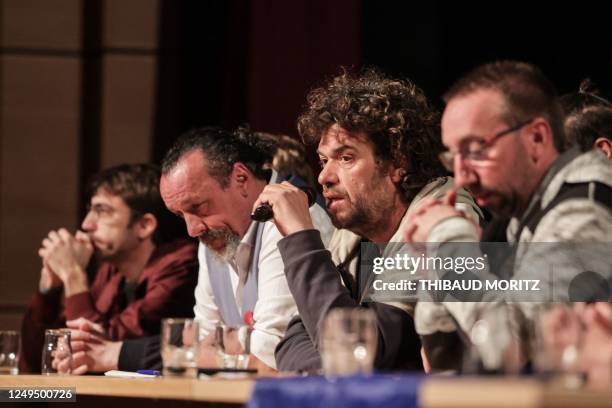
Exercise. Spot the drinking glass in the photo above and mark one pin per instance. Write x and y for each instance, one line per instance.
(348, 341)
(495, 339)
(180, 341)
(557, 346)
(9, 352)
(236, 355)
(57, 352)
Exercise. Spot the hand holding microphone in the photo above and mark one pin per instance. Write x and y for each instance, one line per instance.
(265, 213)
(287, 205)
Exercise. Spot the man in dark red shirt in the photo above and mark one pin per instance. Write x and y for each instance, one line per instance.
(146, 269)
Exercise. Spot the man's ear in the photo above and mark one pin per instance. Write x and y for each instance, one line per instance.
(605, 145)
(145, 226)
(540, 141)
(240, 174)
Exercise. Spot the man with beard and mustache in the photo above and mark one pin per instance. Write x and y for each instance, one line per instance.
(378, 142)
(145, 266)
(504, 131)
(211, 179)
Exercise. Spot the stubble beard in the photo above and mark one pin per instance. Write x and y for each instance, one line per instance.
(367, 216)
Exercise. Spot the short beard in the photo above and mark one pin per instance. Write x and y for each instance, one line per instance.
(368, 217)
(509, 204)
(231, 239)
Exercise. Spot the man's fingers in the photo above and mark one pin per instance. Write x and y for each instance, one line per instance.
(272, 192)
(85, 325)
(288, 186)
(261, 199)
(409, 231)
(64, 235)
(92, 327)
(83, 238)
(467, 216)
(79, 358)
(54, 237)
(427, 202)
(78, 345)
(64, 366)
(80, 335)
(604, 309)
(80, 370)
(450, 198)
(603, 314)
(75, 323)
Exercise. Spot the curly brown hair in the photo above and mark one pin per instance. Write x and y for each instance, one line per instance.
(395, 116)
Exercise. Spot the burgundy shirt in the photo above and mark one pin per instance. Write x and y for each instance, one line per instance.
(165, 288)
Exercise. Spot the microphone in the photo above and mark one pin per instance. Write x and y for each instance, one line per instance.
(264, 212)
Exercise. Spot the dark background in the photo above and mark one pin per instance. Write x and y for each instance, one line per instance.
(236, 62)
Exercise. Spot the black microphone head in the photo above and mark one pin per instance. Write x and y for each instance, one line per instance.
(265, 213)
(262, 213)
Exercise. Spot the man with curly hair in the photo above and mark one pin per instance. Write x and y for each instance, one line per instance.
(378, 140)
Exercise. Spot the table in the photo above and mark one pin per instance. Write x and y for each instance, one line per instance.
(506, 393)
(434, 392)
(427, 392)
(115, 392)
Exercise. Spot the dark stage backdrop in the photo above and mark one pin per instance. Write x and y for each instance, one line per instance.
(235, 62)
(238, 62)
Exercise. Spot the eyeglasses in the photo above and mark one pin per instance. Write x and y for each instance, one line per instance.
(100, 211)
(475, 148)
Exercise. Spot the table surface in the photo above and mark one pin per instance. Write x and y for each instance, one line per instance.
(508, 392)
(213, 390)
(435, 392)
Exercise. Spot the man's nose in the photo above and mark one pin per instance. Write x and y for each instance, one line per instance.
(89, 222)
(328, 175)
(195, 225)
(464, 174)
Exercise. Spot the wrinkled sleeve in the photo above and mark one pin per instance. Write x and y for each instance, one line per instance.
(43, 312)
(317, 289)
(168, 292)
(140, 354)
(296, 351)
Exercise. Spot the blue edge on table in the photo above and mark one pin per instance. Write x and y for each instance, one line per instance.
(379, 390)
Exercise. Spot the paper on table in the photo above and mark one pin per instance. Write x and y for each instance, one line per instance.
(127, 374)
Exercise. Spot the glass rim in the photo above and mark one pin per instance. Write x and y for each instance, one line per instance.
(172, 320)
(231, 326)
(10, 332)
(57, 331)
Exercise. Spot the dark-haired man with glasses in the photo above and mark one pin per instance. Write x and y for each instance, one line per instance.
(144, 268)
(503, 128)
